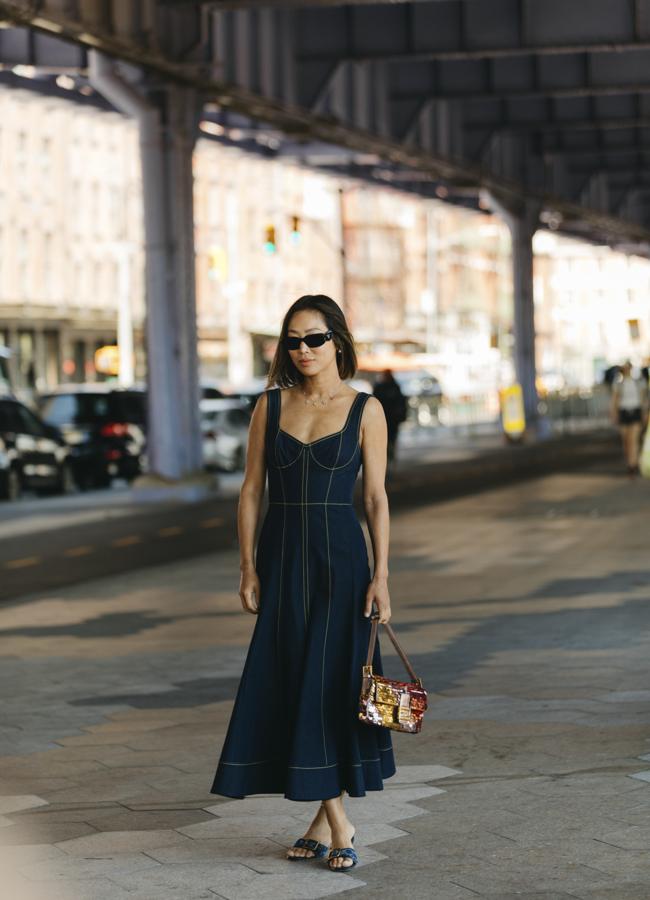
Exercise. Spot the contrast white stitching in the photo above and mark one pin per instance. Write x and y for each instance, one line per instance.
(329, 601)
(302, 534)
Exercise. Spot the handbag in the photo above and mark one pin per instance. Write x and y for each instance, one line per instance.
(399, 705)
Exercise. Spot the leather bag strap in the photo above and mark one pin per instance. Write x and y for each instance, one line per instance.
(395, 642)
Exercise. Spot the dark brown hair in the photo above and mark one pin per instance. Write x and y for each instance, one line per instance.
(283, 373)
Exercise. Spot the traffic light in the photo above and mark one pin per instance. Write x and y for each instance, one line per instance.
(270, 244)
(217, 263)
(295, 229)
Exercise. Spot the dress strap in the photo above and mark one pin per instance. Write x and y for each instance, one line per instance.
(272, 413)
(354, 422)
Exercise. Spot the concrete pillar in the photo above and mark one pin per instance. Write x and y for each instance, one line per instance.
(522, 219)
(167, 117)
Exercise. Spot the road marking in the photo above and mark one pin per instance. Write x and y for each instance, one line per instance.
(212, 523)
(127, 541)
(23, 563)
(171, 531)
(78, 551)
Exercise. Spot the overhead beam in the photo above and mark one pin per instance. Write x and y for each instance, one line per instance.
(639, 168)
(523, 92)
(459, 30)
(274, 4)
(563, 125)
(580, 152)
(475, 54)
(299, 122)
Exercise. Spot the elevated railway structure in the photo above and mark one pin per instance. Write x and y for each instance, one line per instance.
(537, 109)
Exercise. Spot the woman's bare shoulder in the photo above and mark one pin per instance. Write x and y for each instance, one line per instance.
(373, 411)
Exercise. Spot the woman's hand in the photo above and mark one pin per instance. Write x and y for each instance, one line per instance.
(249, 590)
(377, 593)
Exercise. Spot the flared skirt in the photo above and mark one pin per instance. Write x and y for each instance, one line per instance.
(294, 728)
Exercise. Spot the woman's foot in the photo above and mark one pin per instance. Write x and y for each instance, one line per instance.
(342, 837)
(318, 831)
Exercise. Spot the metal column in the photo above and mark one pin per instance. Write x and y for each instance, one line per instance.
(167, 118)
(522, 220)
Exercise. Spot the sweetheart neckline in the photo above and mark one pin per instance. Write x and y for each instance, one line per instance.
(309, 443)
(325, 436)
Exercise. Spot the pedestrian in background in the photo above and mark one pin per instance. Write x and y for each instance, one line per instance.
(389, 394)
(629, 410)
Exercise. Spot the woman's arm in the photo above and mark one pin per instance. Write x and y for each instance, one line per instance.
(250, 502)
(374, 437)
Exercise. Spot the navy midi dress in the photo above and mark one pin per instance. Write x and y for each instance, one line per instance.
(294, 728)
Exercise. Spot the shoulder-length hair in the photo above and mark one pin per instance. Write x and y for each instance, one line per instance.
(283, 373)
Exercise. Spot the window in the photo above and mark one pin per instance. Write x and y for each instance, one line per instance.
(29, 424)
(8, 418)
(59, 410)
(48, 271)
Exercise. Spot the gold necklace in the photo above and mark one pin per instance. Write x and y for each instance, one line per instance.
(319, 402)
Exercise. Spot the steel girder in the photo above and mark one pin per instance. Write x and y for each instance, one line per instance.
(521, 97)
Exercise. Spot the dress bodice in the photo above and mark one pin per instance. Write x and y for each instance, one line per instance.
(295, 727)
(317, 472)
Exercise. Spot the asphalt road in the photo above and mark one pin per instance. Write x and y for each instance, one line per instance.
(47, 543)
(36, 560)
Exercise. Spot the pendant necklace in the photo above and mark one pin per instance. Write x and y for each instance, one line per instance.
(320, 401)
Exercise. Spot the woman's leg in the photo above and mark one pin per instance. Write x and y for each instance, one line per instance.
(625, 439)
(341, 828)
(633, 446)
(319, 830)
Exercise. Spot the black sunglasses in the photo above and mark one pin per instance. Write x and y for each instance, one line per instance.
(312, 340)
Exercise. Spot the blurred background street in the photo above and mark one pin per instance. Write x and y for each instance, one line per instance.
(469, 182)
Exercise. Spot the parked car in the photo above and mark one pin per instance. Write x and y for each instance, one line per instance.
(248, 393)
(224, 425)
(105, 427)
(5, 374)
(211, 389)
(33, 454)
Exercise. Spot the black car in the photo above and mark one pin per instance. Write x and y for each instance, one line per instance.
(33, 454)
(105, 427)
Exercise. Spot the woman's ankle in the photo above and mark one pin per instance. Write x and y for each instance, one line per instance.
(340, 824)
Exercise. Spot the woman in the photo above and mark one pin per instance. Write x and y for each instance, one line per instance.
(294, 727)
(629, 412)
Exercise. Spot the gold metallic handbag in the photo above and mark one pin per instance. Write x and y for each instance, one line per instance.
(399, 705)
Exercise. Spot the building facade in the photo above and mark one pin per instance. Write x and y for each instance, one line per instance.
(411, 274)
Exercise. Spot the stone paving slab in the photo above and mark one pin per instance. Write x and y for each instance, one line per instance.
(526, 614)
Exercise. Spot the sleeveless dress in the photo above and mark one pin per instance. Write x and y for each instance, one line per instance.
(294, 728)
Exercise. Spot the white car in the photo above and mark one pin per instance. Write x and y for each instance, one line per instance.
(224, 425)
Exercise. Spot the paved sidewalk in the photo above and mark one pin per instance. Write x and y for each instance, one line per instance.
(526, 611)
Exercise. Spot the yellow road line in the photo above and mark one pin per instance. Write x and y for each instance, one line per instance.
(127, 541)
(78, 551)
(212, 523)
(171, 531)
(23, 563)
